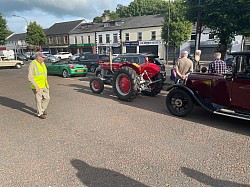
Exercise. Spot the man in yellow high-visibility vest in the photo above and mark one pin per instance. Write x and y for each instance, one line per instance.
(37, 77)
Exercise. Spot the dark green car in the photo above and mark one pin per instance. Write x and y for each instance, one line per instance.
(66, 69)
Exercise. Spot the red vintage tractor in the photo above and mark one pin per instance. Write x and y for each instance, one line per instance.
(129, 74)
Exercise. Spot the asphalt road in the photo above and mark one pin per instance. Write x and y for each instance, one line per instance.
(98, 141)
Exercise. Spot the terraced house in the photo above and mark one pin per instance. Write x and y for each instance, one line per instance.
(58, 36)
(128, 35)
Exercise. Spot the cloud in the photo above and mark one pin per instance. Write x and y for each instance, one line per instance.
(48, 12)
(79, 8)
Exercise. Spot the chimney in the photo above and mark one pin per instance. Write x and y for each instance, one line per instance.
(105, 18)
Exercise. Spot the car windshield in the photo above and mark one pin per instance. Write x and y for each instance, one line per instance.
(104, 58)
(124, 59)
(156, 61)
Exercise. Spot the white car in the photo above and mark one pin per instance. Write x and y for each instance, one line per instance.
(63, 55)
(11, 63)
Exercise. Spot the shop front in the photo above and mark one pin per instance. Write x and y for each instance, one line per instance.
(82, 48)
(105, 48)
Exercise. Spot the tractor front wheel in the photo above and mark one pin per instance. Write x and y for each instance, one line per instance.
(96, 85)
(125, 84)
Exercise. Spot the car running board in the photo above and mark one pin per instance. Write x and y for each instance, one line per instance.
(231, 113)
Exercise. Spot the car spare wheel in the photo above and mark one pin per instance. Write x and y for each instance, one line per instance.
(179, 103)
(155, 88)
(125, 84)
(96, 85)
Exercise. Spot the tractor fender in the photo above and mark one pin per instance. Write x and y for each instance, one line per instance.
(134, 66)
(197, 100)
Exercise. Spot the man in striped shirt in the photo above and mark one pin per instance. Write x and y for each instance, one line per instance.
(218, 66)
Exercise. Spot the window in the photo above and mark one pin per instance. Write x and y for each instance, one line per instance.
(58, 39)
(100, 38)
(153, 35)
(65, 39)
(211, 36)
(50, 40)
(89, 39)
(106, 24)
(127, 36)
(193, 36)
(139, 36)
(82, 40)
(75, 39)
(107, 38)
(115, 38)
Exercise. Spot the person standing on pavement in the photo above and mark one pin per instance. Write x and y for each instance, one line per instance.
(183, 66)
(218, 66)
(37, 77)
(197, 57)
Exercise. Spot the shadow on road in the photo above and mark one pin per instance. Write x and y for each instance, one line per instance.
(99, 177)
(157, 104)
(207, 180)
(14, 104)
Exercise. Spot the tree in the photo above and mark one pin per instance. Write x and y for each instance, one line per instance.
(4, 32)
(142, 7)
(97, 19)
(35, 35)
(226, 19)
(136, 8)
(179, 27)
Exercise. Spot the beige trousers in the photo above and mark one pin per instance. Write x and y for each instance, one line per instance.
(42, 100)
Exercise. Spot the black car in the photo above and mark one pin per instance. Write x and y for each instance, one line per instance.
(90, 60)
(229, 63)
(21, 57)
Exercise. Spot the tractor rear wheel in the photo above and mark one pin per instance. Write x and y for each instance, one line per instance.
(155, 88)
(125, 84)
(96, 85)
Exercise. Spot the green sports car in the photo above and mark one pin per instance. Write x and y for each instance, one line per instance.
(66, 69)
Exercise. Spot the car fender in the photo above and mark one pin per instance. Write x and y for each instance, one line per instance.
(198, 100)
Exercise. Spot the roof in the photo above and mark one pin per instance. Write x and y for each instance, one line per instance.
(143, 21)
(16, 37)
(125, 23)
(63, 27)
(20, 36)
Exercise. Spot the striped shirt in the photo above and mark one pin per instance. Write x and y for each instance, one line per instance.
(218, 67)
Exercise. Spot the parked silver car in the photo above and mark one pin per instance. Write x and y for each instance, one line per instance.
(51, 58)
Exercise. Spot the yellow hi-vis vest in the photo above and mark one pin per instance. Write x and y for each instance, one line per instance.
(40, 75)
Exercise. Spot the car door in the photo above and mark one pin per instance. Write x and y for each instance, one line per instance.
(240, 95)
(48, 65)
(56, 67)
(82, 60)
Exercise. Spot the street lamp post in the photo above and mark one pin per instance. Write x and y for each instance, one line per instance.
(168, 30)
(198, 28)
(14, 15)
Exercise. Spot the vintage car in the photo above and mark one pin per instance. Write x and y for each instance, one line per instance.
(227, 94)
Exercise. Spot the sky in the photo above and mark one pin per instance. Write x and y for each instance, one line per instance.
(47, 12)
